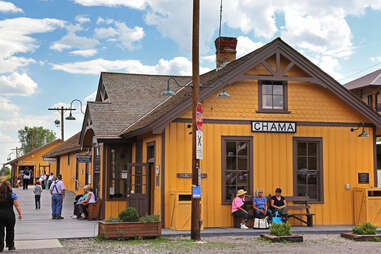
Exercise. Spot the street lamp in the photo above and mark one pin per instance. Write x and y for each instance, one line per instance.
(71, 117)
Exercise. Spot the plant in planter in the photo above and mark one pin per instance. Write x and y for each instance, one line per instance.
(365, 232)
(130, 225)
(282, 232)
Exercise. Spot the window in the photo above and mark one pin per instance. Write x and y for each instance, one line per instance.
(119, 158)
(68, 159)
(370, 100)
(308, 168)
(272, 97)
(237, 166)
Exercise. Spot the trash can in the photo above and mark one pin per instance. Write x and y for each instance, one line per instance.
(181, 210)
(367, 206)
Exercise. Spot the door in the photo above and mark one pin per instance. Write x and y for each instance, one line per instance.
(138, 190)
(151, 171)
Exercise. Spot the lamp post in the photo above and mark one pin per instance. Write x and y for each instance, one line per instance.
(71, 117)
(62, 110)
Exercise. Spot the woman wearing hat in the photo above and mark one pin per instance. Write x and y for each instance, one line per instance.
(239, 209)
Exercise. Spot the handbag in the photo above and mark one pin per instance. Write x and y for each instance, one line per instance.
(261, 223)
(277, 219)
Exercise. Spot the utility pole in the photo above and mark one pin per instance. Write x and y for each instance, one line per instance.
(196, 202)
(62, 111)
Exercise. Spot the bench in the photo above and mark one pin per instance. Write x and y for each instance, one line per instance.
(94, 210)
(300, 203)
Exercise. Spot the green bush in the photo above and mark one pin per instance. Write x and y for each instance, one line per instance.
(283, 229)
(150, 218)
(365, 229)
(129, 215)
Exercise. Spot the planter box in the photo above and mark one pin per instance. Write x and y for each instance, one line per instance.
(289, 238)
(120, 230)
(355, 237)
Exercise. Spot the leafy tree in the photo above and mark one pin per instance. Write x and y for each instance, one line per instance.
(5, 170)
(38, 135)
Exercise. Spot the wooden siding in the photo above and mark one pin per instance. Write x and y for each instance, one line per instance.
(344, 155)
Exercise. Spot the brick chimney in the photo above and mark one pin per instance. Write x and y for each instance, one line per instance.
(225, 50)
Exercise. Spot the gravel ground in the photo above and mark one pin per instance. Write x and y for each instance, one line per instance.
(227, 244)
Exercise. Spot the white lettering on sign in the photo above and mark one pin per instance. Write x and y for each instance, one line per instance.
(199, 145)
(278, 127)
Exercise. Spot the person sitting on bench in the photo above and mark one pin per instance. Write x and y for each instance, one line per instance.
(279, 203)
(239, 208)
(84, 204)
(260, 206)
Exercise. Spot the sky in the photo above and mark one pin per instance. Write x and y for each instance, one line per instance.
(52, 51)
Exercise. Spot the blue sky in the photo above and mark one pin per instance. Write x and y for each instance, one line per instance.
(52, 51)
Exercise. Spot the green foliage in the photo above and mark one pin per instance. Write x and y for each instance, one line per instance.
(129, 215)
(366, 228)
(283, 229)
(36, 135)
(150, 218)
(5, 171)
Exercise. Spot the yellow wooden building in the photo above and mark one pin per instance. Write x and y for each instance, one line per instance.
(73, 164)
(34, 161)
(286, 124)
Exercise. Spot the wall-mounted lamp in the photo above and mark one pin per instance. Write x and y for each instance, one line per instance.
(363, 134)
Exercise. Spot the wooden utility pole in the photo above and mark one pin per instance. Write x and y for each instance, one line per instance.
(62, 111)
(196, 202)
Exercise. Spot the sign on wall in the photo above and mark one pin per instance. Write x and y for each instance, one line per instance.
(83, 158)
(274, 127)
(199, 145)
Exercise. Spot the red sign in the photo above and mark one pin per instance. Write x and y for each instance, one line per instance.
(199, 117)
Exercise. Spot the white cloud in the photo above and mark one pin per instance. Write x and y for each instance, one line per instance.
(84, 52)
(376, 59)
(121, 33)
(90, 97)
(82, 19)
(17, 84)
(245, 45)
(7, 106)
(136, 4)
(101, 20)
(72, 41)
(177, 65)
(9, 7)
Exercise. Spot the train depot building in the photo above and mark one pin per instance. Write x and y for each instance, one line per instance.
(271, 119)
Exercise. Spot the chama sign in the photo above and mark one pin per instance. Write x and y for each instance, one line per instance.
(277, 127)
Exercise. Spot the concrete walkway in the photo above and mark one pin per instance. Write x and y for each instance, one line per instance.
(38, 224)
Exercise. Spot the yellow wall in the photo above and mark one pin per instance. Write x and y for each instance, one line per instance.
(68, 172)
(35, 159)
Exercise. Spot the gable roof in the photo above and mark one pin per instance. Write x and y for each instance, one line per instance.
(130, 96)
(70, 145)
(178, 104)
(34, 151)
(371, 79)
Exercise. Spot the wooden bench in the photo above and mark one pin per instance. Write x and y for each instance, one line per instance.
(94, 210)
(300, 203)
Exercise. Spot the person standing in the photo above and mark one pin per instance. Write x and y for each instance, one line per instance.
(50, 179)
(26, 178)
(57, 189)
(8, 199)
(37, 195)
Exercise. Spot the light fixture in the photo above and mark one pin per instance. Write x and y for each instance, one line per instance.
(70, 117)
(168, 92)
(223, 94)
(363, 134)
(57, 122)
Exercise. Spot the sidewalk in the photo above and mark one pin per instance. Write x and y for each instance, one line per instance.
(38, 224)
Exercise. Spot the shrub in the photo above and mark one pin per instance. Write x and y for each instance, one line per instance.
(129, 215)
(150, 218)
(283, 229)
(365, 229)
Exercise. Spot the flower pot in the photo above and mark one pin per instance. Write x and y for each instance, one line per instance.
(124, 230)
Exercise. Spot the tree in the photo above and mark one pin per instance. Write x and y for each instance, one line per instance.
(36, 135)
(5, 171)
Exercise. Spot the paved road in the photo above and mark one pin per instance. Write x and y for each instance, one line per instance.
(38, 225)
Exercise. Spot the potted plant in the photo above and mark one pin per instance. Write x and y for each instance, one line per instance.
(365, 232)
(130, 225)
(282, 232)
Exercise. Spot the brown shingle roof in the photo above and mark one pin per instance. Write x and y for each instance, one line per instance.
(371, 79)
(70, 145)
(130, 97)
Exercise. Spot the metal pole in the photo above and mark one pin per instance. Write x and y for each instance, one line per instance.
(62, 123)
(196, 204)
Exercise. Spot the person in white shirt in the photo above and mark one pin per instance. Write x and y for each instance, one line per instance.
(84, 205)
(57, 189)
(50, 180)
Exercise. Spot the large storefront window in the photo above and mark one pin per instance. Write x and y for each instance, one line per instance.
(308, 168)
(119, 159)
(272, 96)
(236, 166)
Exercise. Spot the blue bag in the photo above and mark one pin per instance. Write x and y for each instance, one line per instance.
(277, 219)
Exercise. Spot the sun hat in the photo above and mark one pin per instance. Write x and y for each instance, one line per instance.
(241, 192)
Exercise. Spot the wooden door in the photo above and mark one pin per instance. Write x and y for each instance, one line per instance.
(138, 190)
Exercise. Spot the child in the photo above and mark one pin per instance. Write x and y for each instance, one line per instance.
(37, 195)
